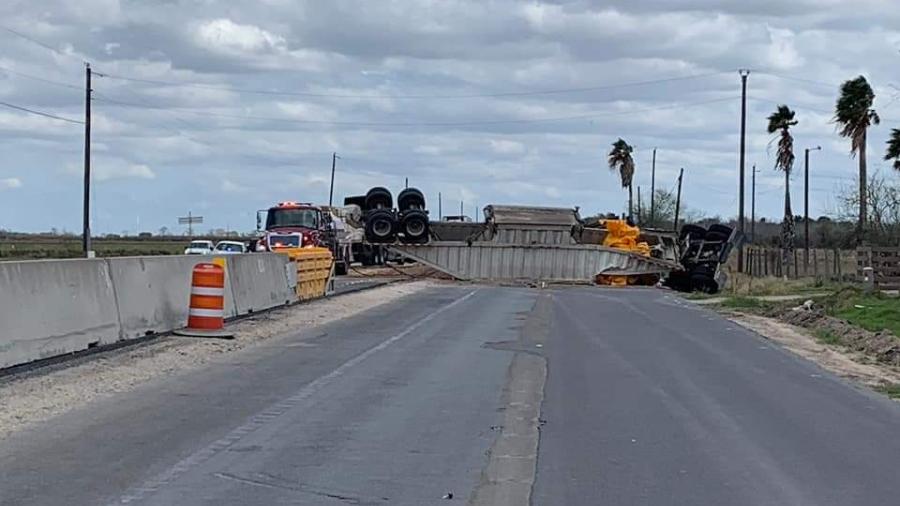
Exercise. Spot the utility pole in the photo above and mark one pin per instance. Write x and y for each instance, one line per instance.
(406, 183)
(744, 73)
(678, 198)
(440, 211)
(461, 211)
(753, 207)
(86, 230)
(334, 158)
(806, 204)
(653, 190)
(639, 220)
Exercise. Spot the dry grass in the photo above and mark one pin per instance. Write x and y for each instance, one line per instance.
(742, 284)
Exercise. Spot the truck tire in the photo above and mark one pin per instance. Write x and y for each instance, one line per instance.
(414, 227)
(696, 232)
(381, 227)
(410, 198)
(703, 283)
(718, 233)
(341, 268)
(379, 198)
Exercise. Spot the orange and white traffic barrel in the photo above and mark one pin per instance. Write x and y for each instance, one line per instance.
(206, 313)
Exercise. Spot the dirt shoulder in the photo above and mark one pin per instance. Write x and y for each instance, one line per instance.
(854, 365)
(32, 397)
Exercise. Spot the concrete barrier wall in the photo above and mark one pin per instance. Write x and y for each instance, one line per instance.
(154, 292)
(259, 281)
(55, 307)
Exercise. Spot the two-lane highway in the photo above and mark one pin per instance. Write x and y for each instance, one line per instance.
(571, 396)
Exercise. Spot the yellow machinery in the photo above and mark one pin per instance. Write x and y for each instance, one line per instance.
(621, 235)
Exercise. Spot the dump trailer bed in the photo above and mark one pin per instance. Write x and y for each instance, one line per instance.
(487, 261)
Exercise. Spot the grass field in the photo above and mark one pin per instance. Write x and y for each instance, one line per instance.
(34, 248)
(870, 311)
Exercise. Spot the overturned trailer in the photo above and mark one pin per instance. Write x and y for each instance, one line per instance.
(529, 244)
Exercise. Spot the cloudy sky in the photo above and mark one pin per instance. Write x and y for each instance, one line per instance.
(225, 107)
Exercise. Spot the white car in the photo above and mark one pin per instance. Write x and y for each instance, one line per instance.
(199, 248)
(230, 248)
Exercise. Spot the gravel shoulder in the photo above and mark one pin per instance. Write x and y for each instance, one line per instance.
(32, 397)
(852, 365)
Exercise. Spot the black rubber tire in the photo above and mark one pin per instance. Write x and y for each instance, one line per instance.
(410, 198)
(696, 231)
(721, 230)
(341, 268)
(704, 284)
(414, 227)
(379, 198)
(381, 226)
(715, 235)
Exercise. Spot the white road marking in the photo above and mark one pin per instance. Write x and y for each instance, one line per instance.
(262, 418)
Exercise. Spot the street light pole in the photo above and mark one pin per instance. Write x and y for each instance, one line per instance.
(806, 203)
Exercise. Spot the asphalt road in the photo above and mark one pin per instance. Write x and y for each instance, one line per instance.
(348, 284)
(579, 396)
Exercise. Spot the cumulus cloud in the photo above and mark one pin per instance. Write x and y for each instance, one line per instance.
(10, 183)
(226, 35)
(105, 172)
(503, 101)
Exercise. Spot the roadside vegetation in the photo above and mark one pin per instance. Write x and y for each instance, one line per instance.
(873, 312)
(891, 390)
(38, 247)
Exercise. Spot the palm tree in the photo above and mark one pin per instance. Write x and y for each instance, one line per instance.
(620, 160)
(854, 113)
(893, 150)
(780, 122)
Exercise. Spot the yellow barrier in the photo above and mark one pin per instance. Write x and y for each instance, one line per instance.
(314, 270)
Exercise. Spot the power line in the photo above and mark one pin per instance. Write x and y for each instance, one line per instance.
(426, 124)
(37, 42)
(807, 108)
(40, 113)
(40, 79)
(422, 96)
(800, 79)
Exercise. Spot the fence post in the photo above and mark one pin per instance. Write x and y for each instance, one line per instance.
(837, 262)
(815, 265)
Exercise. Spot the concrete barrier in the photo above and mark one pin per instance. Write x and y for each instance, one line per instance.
(260, 281)
(154, 292)
(54, 307)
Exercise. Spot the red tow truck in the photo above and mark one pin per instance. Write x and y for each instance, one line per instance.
(297, 225)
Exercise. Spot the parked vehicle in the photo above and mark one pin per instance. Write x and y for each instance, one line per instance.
(199, 247)
(230, 248)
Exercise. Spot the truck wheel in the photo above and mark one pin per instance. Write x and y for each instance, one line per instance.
(414, 227)
(379, 198)
(410, 198)
(341, 268)
(697, 232)
(381, 226)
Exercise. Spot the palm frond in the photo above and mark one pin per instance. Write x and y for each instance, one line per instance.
(781, 121)
(853, 111)
(620, 159)
(893, 149)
